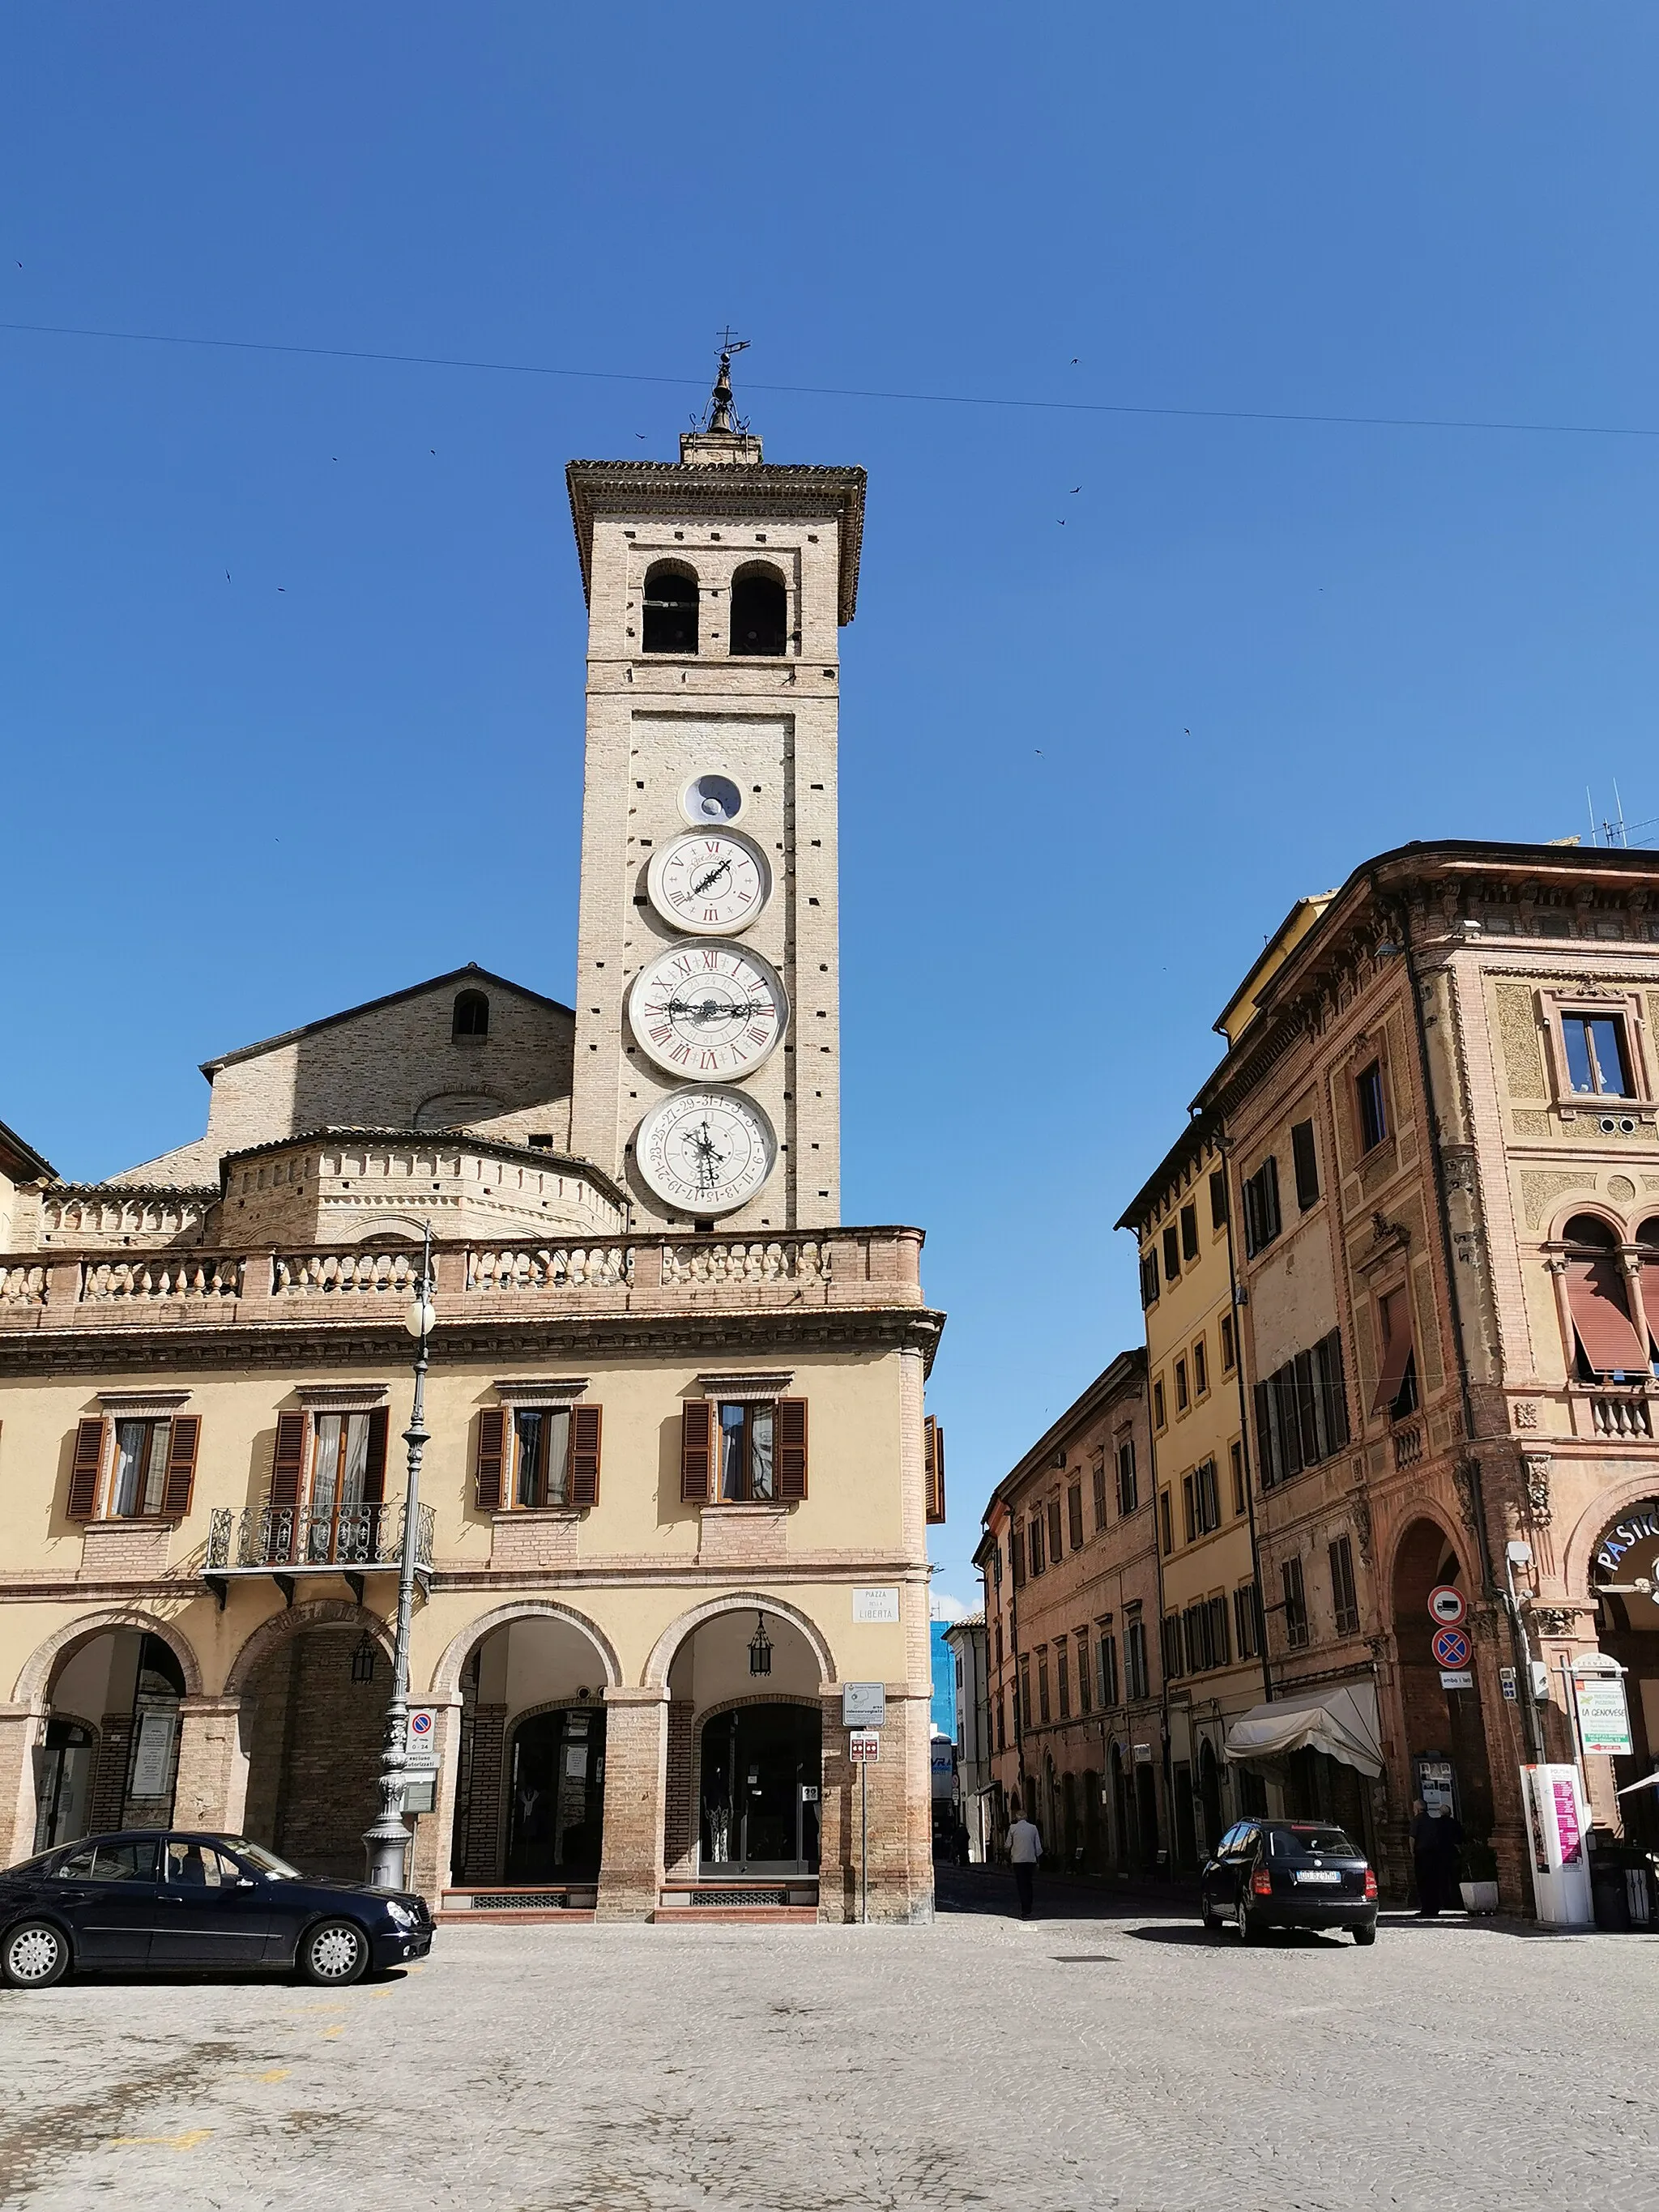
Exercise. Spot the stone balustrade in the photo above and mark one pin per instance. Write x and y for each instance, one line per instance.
(850, 1268)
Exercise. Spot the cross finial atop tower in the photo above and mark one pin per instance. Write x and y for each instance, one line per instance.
(719, 411)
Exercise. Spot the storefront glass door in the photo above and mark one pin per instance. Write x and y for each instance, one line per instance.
(761, 1770)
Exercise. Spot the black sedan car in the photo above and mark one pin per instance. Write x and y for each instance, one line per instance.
(1288, 1874)
(151, 1898)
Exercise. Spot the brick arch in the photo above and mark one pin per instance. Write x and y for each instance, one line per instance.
(38, 1669)
(1593, 1522)
(1598, 1209)
(292, 1621)
(447, 1674)
(655, 1676)
(1456, 1545)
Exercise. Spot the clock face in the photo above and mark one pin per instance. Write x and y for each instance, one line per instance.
(705, 1151)
(708, 1012)
(713, 883)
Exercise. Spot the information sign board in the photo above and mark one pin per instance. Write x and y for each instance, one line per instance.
(421, 1742)
(863, 1705)
(864, 1747)
(875, 1603)
(1603, 1714)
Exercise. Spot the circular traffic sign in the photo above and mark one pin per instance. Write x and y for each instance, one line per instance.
(419, 1724)
(1446, 1605)
(1451, 1648)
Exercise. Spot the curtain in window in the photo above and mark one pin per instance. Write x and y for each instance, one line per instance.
(760, 1451)
(141, 1458)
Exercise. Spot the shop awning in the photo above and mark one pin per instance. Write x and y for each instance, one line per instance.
(1338, 1718)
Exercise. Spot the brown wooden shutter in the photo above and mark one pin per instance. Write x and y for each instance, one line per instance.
(289, 1460)
(181, 1466)
(585, 1425)
(84, 1468)
(789, 1437)
(374, 1464)
(1394, 1313)
(696, 1451)
(934, 1456)
(492, 1451)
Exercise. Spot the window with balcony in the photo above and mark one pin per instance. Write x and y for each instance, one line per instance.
(1607, 1344)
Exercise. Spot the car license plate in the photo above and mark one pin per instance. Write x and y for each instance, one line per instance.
(1318, 1874)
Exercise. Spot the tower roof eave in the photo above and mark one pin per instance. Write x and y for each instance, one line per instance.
(765, 489)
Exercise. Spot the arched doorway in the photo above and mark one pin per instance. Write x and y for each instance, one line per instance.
(530, 1762)
(109, 1754)
(1626, 1556)
(745, 1746)
(555, 1797)
(1445, 1731)
(313, 1720)
(759, 1769)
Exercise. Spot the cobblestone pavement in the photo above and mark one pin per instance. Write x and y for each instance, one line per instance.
(1100, 2057)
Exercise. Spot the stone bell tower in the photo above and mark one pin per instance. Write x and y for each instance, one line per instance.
(708, 1032)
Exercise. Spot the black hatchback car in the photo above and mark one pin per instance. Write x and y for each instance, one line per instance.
(154, 1899)
(1288, 1874)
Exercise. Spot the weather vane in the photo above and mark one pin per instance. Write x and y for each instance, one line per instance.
(719, 411)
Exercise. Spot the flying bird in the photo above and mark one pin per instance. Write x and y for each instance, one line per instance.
(1076, 489)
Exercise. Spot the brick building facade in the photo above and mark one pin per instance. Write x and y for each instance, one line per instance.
(677, 1488)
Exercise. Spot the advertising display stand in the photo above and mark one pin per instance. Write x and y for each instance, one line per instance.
(1558, 1828)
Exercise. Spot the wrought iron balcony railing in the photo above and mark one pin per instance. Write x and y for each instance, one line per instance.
(289, 1539)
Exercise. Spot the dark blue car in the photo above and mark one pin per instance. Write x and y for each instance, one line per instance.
(154, 1900)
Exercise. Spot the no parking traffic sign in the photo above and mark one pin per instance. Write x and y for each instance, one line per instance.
(1446, 1605)
(1451, 1649)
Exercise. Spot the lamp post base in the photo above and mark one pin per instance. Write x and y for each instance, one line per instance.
(386, 1847)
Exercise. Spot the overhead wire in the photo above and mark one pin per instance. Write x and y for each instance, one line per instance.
(857, 392)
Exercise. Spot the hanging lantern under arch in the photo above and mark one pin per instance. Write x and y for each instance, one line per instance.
(760, 1647)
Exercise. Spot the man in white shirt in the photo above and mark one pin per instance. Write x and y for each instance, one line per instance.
(1024, 1849)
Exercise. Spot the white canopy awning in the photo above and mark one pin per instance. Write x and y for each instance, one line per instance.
(1338, 1718)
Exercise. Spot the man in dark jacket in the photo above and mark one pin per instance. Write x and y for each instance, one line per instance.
(1437, 1853)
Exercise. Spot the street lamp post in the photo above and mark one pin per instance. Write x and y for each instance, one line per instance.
(386, 1843)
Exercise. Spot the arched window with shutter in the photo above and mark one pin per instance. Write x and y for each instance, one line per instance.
(671, 608)
(1606, 1342)
(471, 1015)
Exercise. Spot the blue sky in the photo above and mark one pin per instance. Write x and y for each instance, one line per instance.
(1096, 740)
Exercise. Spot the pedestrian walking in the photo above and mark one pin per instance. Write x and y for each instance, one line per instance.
(1024, 1849)
(1437, 1852)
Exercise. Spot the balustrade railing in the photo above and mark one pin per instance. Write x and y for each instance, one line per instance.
(1408, 1445)
(285, 1536)
(336, 1274)
(1628, 1418)
(776, 1262)
(550, 1266)
(163, 1275)
(22, 1286)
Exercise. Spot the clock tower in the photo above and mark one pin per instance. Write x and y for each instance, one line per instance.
(707, 1034)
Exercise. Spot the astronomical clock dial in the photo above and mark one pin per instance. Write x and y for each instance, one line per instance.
(708, 1012)
(705, 1151)
(713, 883)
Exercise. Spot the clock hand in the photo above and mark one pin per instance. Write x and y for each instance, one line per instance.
(721, 868)
(709, 1010)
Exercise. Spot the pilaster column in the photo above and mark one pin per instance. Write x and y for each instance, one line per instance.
(20, 1731)
(106, 1801)
(211, 1791)
(635, 1792)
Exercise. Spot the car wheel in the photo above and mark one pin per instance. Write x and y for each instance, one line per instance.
(1364, 1935)
(36, 1955)
(1248, 1931)
(1207, 1915)
(334, 1954)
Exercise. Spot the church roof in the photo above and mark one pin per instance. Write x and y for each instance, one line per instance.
(765, 489)
(470, 973)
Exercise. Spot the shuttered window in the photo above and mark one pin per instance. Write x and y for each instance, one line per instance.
(1189, 1232)
(1106, 1669)
(1247, 1620)
(489, 1473)
(1305, 1154)
(1137, 1677)
(1345, 1597)
(1085, 1685)
(1074, 1516)
(1606, 1340)
(1017, 1556)
(1370, 1107)
(84, 1469)
(1261, 1218)
(750, 1451)
(1063, 1678)
(1217, 1198)
(1098, 1475)
(1172, 1253)
(1128, 1486)
(1397, 1376)
(1149, 1283)
(933, 1460)
(181, 1467)
(1296, 1604)
(1301, 1412)
(1039, 1560)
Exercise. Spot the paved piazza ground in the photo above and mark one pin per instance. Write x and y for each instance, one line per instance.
(1099, 2056)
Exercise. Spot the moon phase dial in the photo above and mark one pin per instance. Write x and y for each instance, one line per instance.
(705, 1151)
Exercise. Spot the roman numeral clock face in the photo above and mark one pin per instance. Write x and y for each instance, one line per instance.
(708, 1012)
(712, 883)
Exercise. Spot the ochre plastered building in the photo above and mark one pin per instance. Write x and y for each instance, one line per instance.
(1441, 1104)
(678, 1484)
